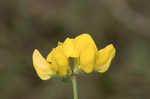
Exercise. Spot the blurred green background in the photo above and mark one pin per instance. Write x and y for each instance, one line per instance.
(29, 24)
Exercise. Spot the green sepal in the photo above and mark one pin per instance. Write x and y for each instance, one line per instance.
(67, 79)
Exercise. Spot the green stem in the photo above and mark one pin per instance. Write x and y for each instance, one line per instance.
(75, 89)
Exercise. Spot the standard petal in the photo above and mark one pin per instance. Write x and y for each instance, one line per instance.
(87, 59)
(104, 58)
(87, 49)
(69, 48)
(84, 40)
(42, 67)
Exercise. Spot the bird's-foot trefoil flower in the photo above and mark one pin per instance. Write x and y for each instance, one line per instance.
(82, 49)
(74, 55)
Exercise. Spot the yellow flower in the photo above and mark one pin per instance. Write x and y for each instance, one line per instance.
(84, 51)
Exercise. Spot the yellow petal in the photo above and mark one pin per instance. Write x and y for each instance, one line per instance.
(87, 49)
(62, 61)
(58, 58)
(51, 59)
(42, 67)
(87, 59)
(69, 48)
(104, 58)
(84, 40)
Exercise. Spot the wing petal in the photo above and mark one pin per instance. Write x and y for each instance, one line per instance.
(42, 67)
(104, 58)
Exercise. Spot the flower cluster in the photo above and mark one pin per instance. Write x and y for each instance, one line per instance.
(84, 52)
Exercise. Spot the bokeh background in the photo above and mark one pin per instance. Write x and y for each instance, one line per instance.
(29, 24)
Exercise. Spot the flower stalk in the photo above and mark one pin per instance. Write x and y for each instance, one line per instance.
(75, 87)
